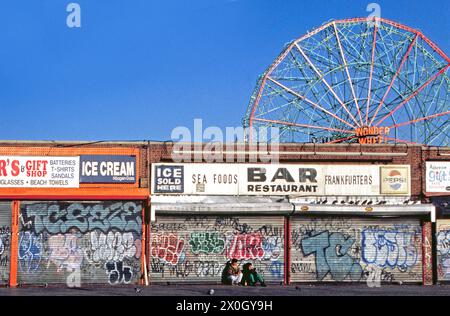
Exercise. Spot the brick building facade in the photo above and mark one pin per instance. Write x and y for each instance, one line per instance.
(124, 233)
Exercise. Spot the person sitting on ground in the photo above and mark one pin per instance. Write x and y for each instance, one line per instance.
(231, 274)
(250, 276)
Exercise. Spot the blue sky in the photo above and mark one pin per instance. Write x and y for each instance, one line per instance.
(138, 68)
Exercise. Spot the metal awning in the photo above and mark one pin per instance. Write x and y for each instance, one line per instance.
(219, 205)
(374, 210)
(254, 205)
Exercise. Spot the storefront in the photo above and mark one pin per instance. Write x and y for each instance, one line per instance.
(354, 246)
(437, 188)
(72, 215)
(193, 237)
(294, 222)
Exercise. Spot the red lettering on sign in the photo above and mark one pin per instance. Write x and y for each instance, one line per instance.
(3, 172)
(15, 170)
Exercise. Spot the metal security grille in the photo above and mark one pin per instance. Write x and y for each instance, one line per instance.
(5, 241)
(443, 249)
(350, 249)
(80, 242)
(195, 249)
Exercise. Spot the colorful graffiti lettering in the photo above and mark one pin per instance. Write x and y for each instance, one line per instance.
(30, 247)
(167, 247)
(68, 243)
(389, 248)
(331, 251)
(207, 243)
(356, 250)
(246, 247)
(60, 218)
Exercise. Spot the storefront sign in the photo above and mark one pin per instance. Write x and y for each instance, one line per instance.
(438, 177)
(39, 172)
(169, 179)
(276, 179)
(107, 169)
(394, 180)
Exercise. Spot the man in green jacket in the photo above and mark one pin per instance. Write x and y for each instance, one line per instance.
(251, 277)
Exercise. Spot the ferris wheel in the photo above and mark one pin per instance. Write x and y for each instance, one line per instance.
(363, 80)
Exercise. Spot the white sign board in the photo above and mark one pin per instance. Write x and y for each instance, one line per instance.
(437, 176)
(39, 172)
(278, 179)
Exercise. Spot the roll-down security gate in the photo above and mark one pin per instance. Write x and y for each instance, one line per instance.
(194, 248)
(443, 250)
(355, 249)
(80, 242)
(5, 241)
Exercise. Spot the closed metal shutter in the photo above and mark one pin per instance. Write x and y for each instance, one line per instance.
(5, 241)
(443, 249)
(78, 243)
(195, 249)
(346, 249)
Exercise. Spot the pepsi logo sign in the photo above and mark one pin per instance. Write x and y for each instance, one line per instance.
(394, 180)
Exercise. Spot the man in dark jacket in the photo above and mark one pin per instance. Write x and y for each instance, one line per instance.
(231, 274)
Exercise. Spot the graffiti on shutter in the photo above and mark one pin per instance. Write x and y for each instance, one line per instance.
(443, 249)
(195, 249)
(95, 242)
(355, 250)
(5, 241)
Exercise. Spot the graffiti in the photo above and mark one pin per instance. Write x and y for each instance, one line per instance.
(303, 267)
(332, 224)
(270, 230)
(197, 247)
(62, 218)
(389, 248)
(207, 268)
(207, 243)
(444, 267)
(224, 223)
(167, 247)
(199, 268)
(272, 248)
(118, 273)
(64, 242)
(113, 246)
(246, 247)
(168, 227)
(375, 275)
(443, 252)
(64, 252)
(356, 250)
(5, 234)
(30, 247)
(276, 269)
(443, 242)
(331, 251)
